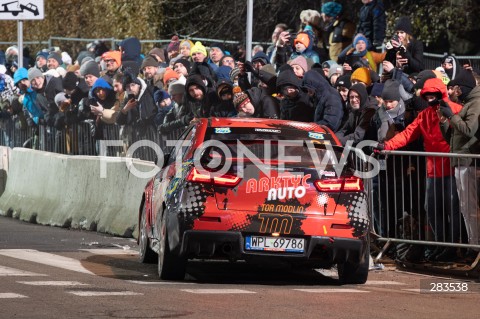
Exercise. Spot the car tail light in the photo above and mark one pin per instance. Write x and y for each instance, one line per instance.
(226, 180)
(349, 184)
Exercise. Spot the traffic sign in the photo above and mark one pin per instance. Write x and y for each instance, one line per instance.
(21, 10)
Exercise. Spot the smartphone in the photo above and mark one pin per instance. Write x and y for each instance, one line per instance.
(395, 38)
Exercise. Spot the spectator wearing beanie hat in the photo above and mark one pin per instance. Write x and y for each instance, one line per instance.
(389, 119)
(169, 76)
(334, 72)
(243, 105)
(466, 83)
(182, 66)
(342, 85)
(216, 54)
(403, 50)
(360, 55)
(158, 54)
(304, 46)
(340, 30)
(113, 62)
(54, 60)
(361, 75)
(41, 61)
(185, 47)
(149, 68)
(299, 66)
(198, 52)
(34, 73)
(173, 48)
(90, 72)
(164, 103)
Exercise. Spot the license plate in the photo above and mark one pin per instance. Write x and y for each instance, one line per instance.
(280, 244)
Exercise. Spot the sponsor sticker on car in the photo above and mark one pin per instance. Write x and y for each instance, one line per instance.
(223, 130)
(317, 136)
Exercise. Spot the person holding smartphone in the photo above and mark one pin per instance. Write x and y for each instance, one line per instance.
(403, 50)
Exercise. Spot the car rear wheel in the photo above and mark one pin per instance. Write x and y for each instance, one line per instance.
(170, 266)
(355, 273)
(147, 255)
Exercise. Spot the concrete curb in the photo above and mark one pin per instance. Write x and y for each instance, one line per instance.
(68, 191)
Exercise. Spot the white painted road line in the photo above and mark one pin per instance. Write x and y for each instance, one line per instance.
(218, 291)
(7, 271)
(330, 290)
(46, 259)
(139, 282)
(10, 295)
(385, 282)
(52, 283)
(104, 293)
(115, 251)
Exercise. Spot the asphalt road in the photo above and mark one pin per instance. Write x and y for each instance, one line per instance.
(48, 272)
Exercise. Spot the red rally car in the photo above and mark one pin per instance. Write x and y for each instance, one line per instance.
(255, 189)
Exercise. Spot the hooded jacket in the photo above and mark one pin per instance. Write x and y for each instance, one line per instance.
(298, 108)
(265, 105)
(427, 125)
(200, 108)
(462, 131)
(111, 98)
(309, 51)
(328, 106)
(132, 49)
(144, 113)
(357, 127)
(372, 22)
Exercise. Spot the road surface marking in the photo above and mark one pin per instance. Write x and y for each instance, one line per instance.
(385, 282)
(46, 259)
(10, 295)
(218, 291)
(330, 290)
(7, 271)
(52, 283)
(114, 251)
(139, 282)
(104, 293)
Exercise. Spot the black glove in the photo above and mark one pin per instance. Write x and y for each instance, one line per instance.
(445, 109)
(378, 148)
(250, 68)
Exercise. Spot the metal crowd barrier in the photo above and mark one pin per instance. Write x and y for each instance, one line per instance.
(407, 206)
(138, 142)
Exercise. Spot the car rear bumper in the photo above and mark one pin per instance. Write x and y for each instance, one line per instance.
(231, 245)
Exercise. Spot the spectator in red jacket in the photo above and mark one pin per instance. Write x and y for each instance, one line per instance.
(441, 196)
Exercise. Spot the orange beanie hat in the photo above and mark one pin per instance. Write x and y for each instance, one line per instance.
(303, 39)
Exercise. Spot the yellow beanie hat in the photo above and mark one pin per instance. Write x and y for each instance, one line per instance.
(198, 47)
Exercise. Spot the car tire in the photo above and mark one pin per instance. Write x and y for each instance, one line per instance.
(170, 266)
(147, 255)
(355, 273)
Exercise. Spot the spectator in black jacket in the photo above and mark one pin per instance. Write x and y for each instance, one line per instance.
(47, 87)
(199, 98)
(140, 109)
(255, 102)
(403, 50)
(295, 105)
(328, 103)
(361, 110)
(225, 106)
(372, 22)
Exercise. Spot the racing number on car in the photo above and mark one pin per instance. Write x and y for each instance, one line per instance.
(275, 223)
